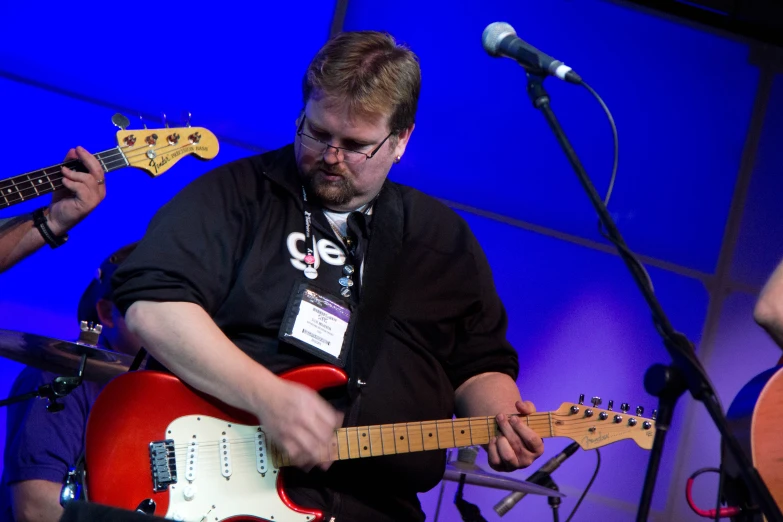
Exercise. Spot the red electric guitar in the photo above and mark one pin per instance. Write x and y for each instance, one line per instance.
(150, 436)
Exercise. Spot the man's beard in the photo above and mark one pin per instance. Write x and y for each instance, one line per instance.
(335, 193)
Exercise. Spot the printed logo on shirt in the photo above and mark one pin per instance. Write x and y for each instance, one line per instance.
(325, 249)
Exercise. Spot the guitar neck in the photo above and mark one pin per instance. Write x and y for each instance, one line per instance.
(39, 182)
(409, 437)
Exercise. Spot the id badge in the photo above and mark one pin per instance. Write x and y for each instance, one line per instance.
(318, 323)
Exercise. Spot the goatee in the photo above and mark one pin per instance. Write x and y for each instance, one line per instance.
(334, 193)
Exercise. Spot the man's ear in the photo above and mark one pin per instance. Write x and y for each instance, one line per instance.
(104, 309)
(402, 140)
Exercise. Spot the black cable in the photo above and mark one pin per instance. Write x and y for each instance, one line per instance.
(721, 474)
(592, 479)
(615, 138)
(616, 144)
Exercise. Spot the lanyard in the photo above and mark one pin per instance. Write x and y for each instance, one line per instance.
(346, 281)
(310, 272)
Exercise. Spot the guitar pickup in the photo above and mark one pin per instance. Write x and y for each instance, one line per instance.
(163, 464)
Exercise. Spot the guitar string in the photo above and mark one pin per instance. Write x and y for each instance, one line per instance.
(349, 436)
(541, 423)
(121, 147)
(56, 176)
(60, 165)
(113, 155)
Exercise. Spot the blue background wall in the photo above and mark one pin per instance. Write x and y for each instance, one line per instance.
(697, 192)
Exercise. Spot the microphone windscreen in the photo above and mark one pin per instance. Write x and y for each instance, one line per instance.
(494, 34)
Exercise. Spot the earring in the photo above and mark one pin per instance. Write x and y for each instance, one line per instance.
(397, 159)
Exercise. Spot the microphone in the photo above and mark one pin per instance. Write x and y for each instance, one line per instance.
(500, 39)
(510, 500)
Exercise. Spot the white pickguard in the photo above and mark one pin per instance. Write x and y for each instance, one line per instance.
(211, 496)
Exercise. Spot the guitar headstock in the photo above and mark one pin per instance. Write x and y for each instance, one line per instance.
(156, 150)
(593, 427)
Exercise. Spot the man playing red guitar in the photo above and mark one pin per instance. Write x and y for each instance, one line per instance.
(81, 193)
(309, 254)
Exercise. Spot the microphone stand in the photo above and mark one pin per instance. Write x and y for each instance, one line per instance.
(58, 388)
(553, 501)
(469, 512)
(685, 372)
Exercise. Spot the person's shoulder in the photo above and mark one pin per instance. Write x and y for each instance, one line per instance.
(418, 203)
(248, 172)
(240, 170)
(425, 213)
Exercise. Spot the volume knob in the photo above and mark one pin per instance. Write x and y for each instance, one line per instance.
(188, 492)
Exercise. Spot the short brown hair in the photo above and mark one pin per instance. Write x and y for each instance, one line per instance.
(369, 71)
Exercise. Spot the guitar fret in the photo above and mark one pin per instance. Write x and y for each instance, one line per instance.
(358, 443)
(336, 445)
(383, 446)
(342, 444)
(387, 432)
(375, 438)
(400, 439)
(49, 179)
(429, 442)
(348, 439)
(408, 434)
(33, 185)
(369, 437)
(364, 447)
(38, 182)
(463, 441)
(448, 428)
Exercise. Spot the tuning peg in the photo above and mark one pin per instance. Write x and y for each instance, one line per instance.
(165, 123)
(144, 125)
(581, 398)
(186, 115)
(639, 410)
(596, 401)
(120, 121)
(624, 407)
(610, 405)
(655, 414)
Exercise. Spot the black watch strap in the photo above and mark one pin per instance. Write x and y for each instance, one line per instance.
(39, 220)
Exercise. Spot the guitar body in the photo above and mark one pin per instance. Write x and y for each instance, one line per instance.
(150, 437)
(140, 408)
(754, 419)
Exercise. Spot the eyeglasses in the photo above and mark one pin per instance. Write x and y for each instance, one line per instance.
(321, 147)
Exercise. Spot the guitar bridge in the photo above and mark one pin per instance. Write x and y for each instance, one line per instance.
(163, 464)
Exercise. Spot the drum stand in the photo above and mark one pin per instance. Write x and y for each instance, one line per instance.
(57, 389)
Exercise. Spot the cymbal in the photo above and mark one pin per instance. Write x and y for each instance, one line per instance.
(63, 357)
(477, 476)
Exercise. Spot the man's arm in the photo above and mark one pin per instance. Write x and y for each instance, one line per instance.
(497, 394)
(36, 501)
(768, 312)
(80, 194)
(187, 341)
